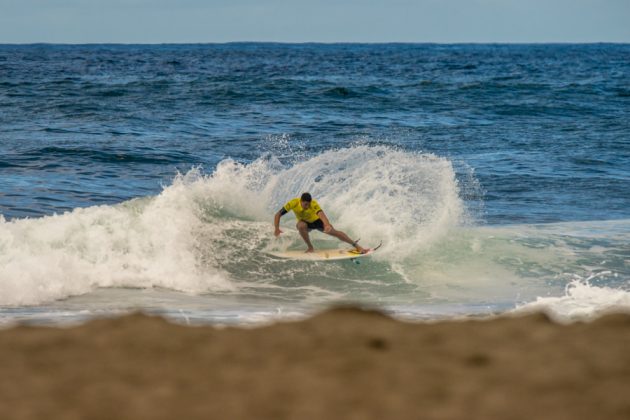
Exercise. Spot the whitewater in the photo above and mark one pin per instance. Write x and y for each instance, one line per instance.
(203, 243)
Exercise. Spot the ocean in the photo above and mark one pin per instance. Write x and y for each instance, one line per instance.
(146, 177)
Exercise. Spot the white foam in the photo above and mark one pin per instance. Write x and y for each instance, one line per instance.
(142, 243)
(407, 200)
(206, 234)
(581, 301)
(184, 238)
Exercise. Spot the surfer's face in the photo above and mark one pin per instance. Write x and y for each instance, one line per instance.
(305, 204)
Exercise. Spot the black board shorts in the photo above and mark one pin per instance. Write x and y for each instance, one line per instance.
(317, 224)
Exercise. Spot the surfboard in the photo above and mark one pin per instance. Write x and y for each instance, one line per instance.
(324, 254)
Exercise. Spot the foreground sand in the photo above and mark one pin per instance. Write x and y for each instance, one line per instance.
(341, 364)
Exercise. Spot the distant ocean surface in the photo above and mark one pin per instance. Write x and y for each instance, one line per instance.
(147, 176)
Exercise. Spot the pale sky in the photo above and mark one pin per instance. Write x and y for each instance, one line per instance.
(442, 21)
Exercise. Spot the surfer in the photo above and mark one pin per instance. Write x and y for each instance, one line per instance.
(311, 216)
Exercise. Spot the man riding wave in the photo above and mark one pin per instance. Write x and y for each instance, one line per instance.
(311, 216)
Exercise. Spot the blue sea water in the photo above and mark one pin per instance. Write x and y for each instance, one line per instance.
(146, 177)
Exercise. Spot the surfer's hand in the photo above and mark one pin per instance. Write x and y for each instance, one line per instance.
(328, 228)
(277, 232)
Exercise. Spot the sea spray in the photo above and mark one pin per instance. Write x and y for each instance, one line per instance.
(139, 244)
(582, 301)
(406, 199)
(208, 233)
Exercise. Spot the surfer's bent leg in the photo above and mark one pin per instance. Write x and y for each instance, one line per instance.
(302, 227)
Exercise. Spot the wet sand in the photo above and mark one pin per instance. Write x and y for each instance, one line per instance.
(341, 364)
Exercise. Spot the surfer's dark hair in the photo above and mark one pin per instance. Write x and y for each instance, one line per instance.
(306, 197)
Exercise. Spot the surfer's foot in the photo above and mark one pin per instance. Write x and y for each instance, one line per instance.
(309, 250)
(360, 249)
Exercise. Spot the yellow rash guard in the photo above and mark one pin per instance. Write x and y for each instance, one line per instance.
(309, 215)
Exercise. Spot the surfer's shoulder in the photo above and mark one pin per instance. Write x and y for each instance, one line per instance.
(291, 204)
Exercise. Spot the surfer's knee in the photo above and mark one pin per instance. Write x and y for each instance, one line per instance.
(334, 232)
(301, 226)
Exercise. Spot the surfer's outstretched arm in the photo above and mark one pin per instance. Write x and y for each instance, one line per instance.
(276, 223)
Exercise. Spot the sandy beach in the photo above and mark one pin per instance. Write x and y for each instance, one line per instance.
(341, 364)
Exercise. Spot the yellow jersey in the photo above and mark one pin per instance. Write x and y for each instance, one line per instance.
(309, 215)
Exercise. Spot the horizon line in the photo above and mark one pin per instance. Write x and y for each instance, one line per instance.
(320, 43)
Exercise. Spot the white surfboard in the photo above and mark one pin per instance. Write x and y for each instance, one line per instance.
(324, 254)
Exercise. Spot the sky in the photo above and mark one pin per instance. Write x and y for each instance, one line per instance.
(440, 21)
